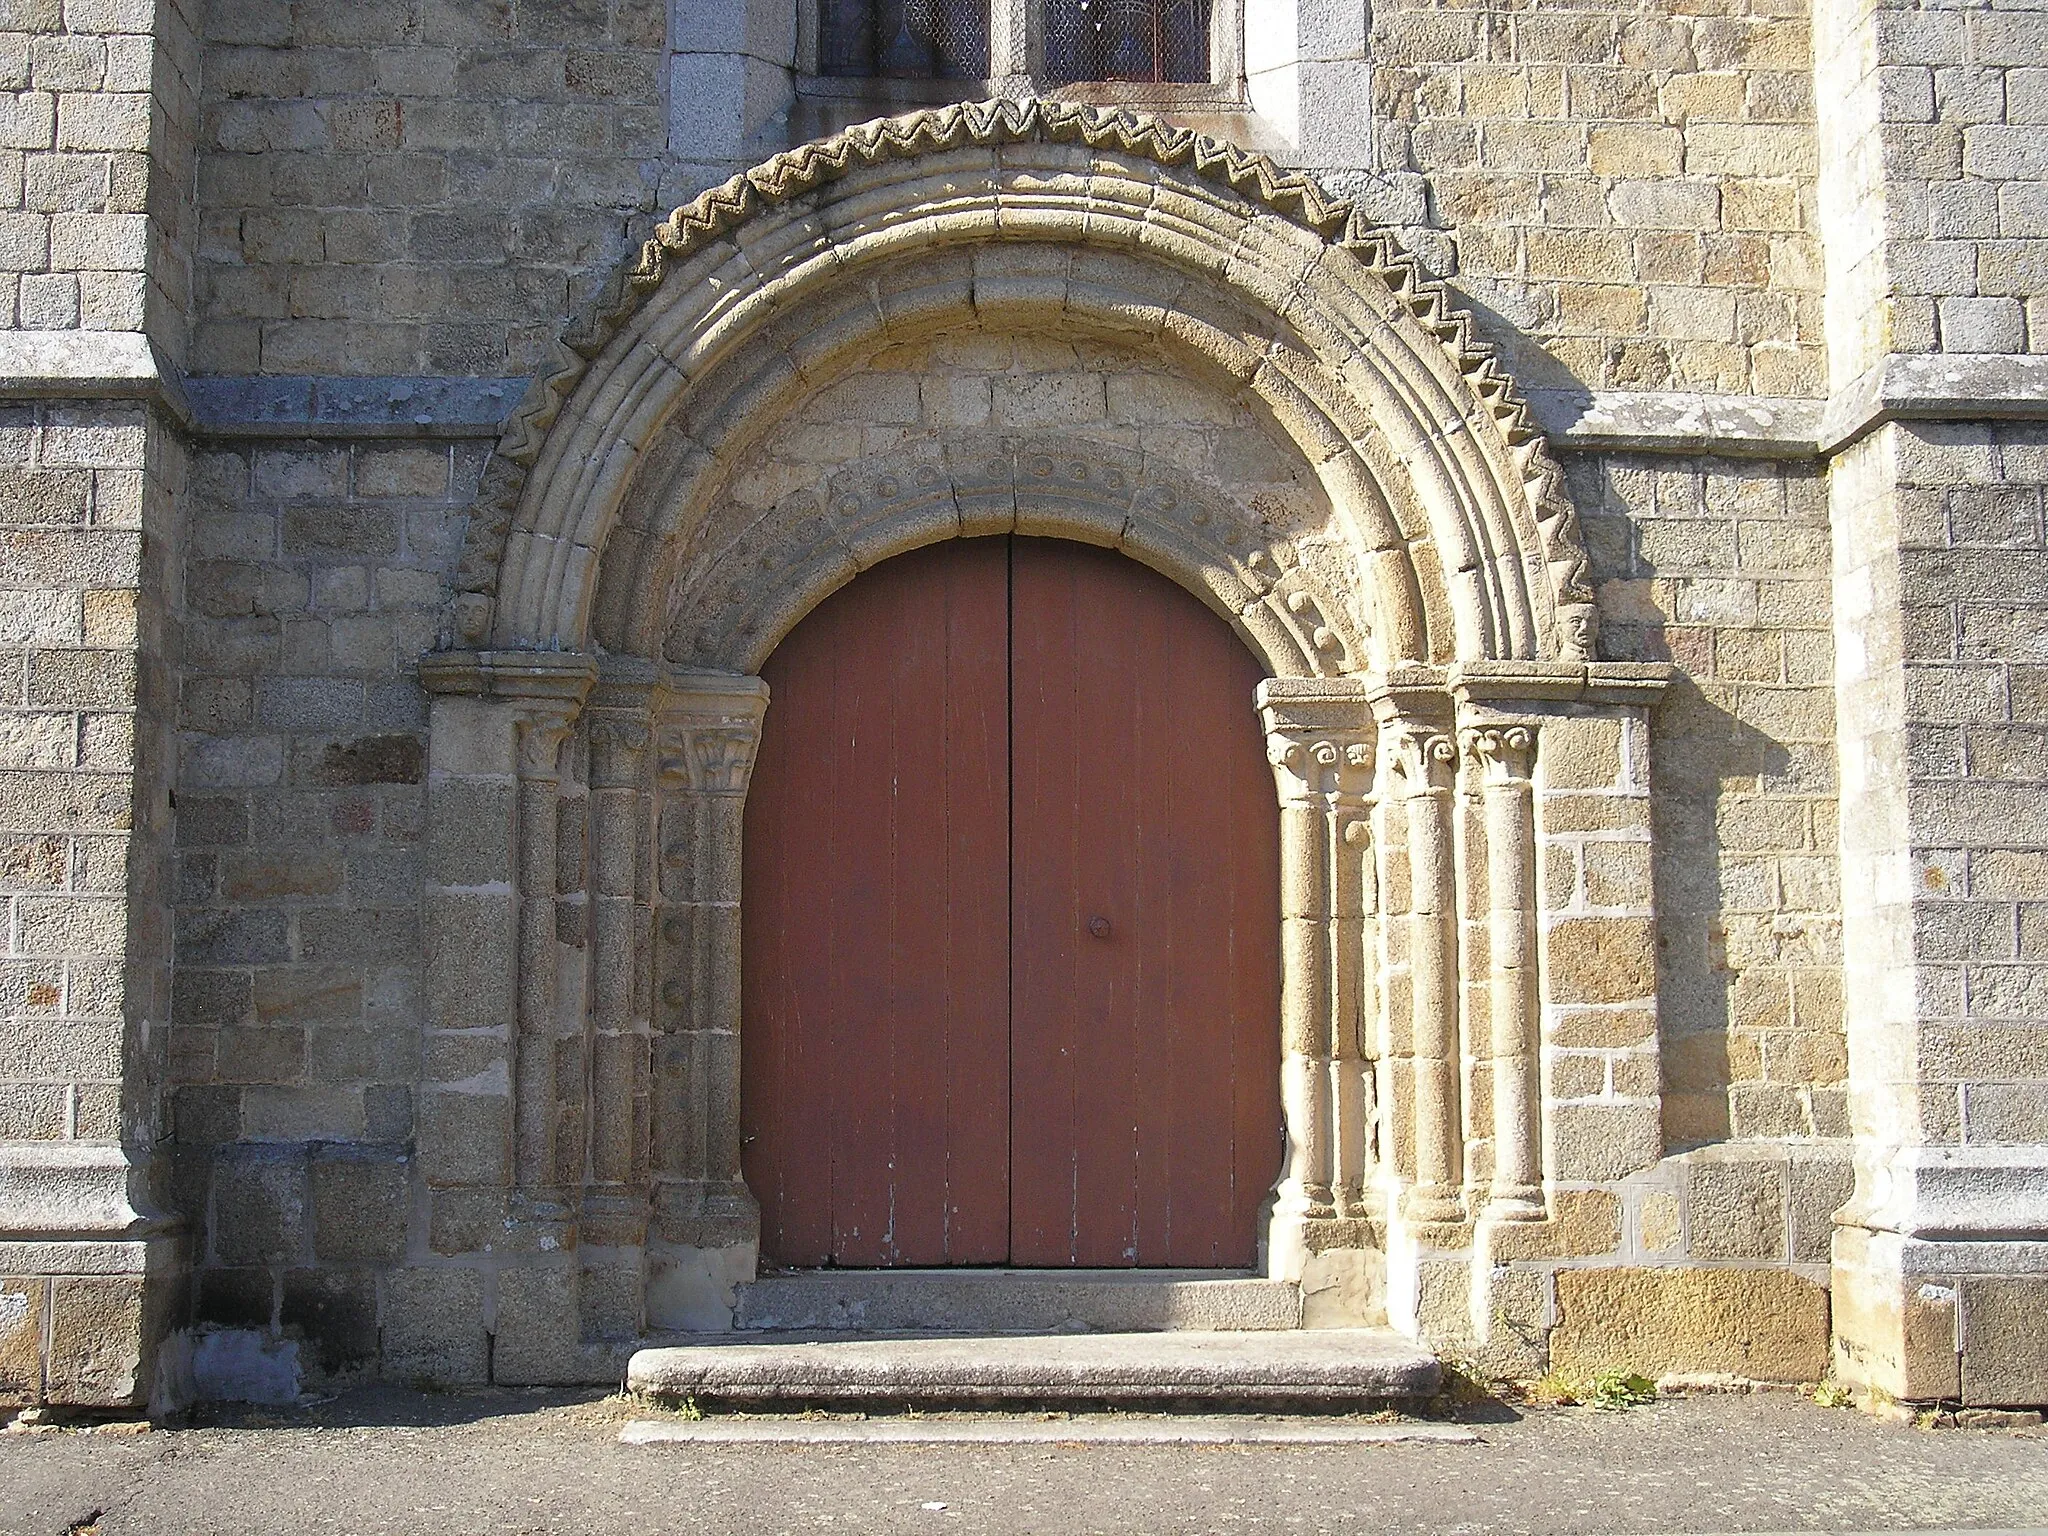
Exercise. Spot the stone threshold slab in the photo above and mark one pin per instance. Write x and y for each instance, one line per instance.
(1206, 1429)
(1002, 1301)
(1325, 1365)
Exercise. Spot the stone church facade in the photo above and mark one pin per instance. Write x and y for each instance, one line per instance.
(1618, 431)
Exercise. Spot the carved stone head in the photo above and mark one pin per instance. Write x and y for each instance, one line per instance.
(1577, 630)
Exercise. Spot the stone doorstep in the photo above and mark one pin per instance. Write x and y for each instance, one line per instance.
(1241, 1368)
(995, 1301)
(1083, 1429)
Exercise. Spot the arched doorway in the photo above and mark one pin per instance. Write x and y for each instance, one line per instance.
(1011, 973)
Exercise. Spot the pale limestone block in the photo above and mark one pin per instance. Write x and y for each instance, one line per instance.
(1344, 1288)
(1603, 1140)
(692, 1290)
(1658, 1225)
(1600, 959)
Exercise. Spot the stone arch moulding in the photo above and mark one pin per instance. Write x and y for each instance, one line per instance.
(1428, 634)
(1017, 210)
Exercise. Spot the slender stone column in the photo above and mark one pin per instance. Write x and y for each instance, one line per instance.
(1424, 758)
(538, 1110)
(1503, 754)
(1320, 743)
(1352, 1143)
(708, 730)
(615, 1200)
(1016, 47)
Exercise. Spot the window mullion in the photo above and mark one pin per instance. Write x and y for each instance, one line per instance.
(1016, 46)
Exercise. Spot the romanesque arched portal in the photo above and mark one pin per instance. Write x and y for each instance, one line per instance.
(1338, 470)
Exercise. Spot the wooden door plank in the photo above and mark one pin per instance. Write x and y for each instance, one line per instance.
(1111, 1061)
(1176, 843)
(785, 1040)
(977, 904)
(1046, 927)
(861, 897)
(878, 826)
(1218, 795)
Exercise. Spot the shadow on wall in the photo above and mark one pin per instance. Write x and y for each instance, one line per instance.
(1700, 755)
(1519, 319)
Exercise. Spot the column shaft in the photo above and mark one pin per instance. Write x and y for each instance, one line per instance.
(537, 1106)
(1503, 756)
(618, 913)
(1320, 743)
(710, 728)
(1426, 758)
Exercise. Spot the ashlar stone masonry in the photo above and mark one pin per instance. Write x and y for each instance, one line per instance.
(1619, 432)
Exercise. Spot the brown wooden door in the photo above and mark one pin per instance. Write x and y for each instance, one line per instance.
(1010, 975)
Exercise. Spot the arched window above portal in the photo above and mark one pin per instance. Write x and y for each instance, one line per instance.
(1288, 78)
(1164, 54)
(1137, 42)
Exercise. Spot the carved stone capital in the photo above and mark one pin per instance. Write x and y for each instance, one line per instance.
(709, 728)
(1504, 753)
(1310, 767)
(543, 727)
(709, 757)
(617, 742)
(1422, 756)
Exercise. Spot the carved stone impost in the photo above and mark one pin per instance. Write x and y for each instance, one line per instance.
(547, 687)
(1508, 683)
(564, 677)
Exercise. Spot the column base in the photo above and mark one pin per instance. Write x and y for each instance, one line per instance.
(1432, 1203)
(91, 1286)
(1524, 1203)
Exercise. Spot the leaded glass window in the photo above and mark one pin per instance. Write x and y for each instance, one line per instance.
(1151, 41)
(904, 39)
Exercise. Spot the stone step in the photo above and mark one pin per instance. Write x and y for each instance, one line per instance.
(992, 1301)
(1270, 1368)
(1121, 1428)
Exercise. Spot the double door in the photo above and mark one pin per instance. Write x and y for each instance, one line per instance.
(1010, 955)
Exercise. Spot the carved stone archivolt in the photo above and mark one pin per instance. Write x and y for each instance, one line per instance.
(1420, 607)
(1011, 213)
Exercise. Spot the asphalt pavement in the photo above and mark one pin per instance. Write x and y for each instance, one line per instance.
(378, 1461)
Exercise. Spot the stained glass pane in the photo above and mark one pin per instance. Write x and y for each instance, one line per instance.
(904, 39)
(1143, 40)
